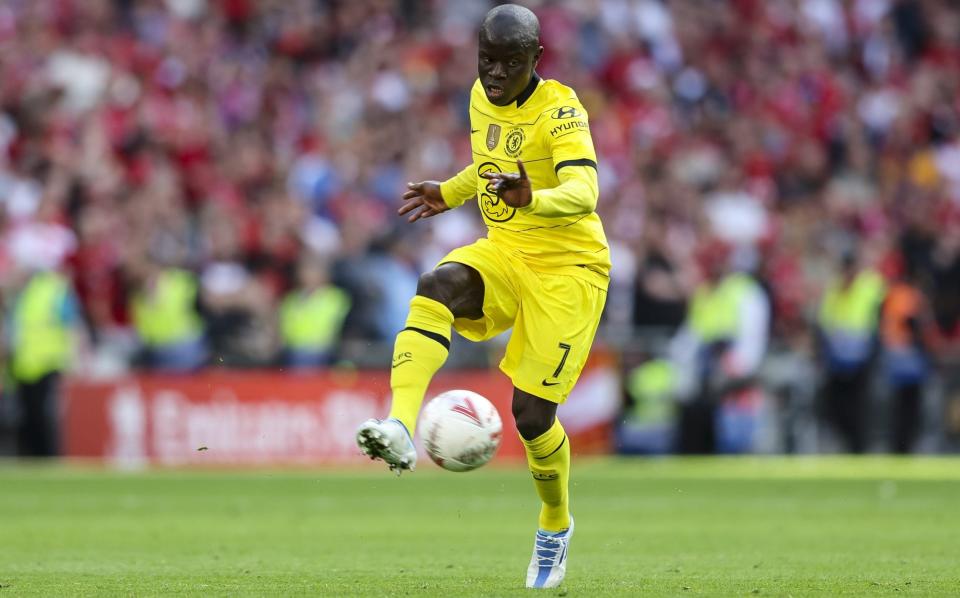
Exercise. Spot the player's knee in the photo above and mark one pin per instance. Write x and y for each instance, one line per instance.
(531, 422)
(454, 286)
(436, 286)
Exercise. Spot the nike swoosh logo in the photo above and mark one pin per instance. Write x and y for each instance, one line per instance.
(399, 363)
(545, 383)
(472, 131)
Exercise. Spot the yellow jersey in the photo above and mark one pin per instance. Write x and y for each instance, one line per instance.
(547, 128)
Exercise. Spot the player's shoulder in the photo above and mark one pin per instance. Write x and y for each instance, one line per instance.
(554, 96)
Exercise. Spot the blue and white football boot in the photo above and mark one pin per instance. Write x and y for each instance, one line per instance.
(549, 562)
(389, 441)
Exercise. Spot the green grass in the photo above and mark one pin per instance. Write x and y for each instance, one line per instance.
(769, 527)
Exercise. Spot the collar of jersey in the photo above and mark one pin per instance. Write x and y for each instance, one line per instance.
(521, 99)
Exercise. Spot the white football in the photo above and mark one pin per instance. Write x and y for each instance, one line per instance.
(461, 430)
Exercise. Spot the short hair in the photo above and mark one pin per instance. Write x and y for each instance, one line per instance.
(513, 23)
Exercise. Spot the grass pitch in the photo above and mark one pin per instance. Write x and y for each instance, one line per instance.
(711, 527)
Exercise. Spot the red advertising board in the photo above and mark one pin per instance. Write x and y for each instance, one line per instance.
(249, 418)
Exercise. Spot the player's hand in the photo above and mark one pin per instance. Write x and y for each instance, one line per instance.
(423, 200)
(512, 187)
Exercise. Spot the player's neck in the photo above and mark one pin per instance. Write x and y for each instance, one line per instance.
(527, 91)
(524, 95)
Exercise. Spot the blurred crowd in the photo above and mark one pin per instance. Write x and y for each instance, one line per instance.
(210, 175)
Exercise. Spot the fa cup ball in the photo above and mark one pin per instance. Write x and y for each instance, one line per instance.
(461, 430)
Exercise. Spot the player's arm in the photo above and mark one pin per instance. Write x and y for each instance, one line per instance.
(433, 197)
(460, 187)
(576, 194)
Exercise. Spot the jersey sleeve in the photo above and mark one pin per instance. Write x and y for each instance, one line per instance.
(576, 194)
(575, 163)
(460, 187)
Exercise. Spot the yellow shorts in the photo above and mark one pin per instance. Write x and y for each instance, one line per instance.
(554, 319)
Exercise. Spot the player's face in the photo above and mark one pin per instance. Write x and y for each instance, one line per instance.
(505, 69)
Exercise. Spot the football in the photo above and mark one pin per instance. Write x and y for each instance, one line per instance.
(461, 430)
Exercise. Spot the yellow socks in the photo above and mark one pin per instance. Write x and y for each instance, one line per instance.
(549, 458)
(419, 351)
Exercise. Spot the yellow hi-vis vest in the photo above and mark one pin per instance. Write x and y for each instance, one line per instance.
(651, 385)
(41, 341)
(849, 317)
(167, 316)
(311, 322)
(714, 310)
(853, 309)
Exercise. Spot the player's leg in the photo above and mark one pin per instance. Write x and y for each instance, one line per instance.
(546, 353)
(452, 290)
(548, 455)
(475, 290)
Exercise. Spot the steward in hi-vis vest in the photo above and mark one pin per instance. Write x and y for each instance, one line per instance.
(43, 314)
(717, 354)
(165, 316)
(848, 320)
(847, 326)
(41, 337)
(311, 316)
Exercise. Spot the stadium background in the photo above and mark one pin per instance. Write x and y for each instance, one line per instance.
(236, 140)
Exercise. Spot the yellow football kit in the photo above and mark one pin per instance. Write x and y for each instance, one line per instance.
(545, 267)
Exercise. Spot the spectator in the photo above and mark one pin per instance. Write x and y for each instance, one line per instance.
(164, 312)
(392, 264)
(847, 332)
(237, 307)
(42, 334)
(908, 335)
(311, 316)
(718, 352)
(661, 287)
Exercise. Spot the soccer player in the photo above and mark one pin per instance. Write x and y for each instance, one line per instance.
(543, 269)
